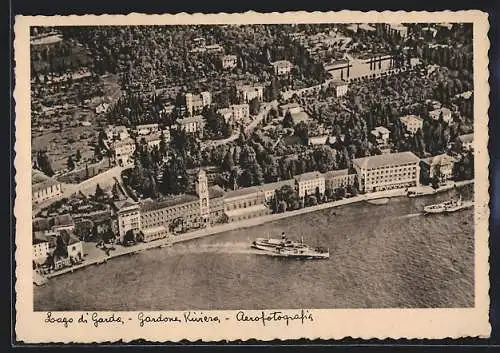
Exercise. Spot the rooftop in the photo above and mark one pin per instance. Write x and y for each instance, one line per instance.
(243, 191)
(308, 176)
(240, 211)
(38, 239)
(41, 224)
(281, 63)
(289, 105)
(410, 117)
(215, 192)
(338, 83)
(438, 111)
(124, 203)
(190, 119)
(63, 220)
(151, 205)
(439, 159)
(278, 184)
(386, 160)
(466, 138)
(336, 173)
(300, 116)
(381, 129)
(124, 142)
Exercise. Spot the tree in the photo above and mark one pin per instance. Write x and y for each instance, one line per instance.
(61, 249)
(254, 106)
(44, 164)
(99, 193)
(175, 179)
(302, 131)
(257, 175)
(70, 163)
(129, 237)
(311, 200)
(288, 120)
(228, 163)
(115, 192)
(163, 144)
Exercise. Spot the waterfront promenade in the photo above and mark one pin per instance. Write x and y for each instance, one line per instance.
(95, 256)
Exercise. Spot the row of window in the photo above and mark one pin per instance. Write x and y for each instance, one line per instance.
(389, 171)
(413, 164)
(391, 178)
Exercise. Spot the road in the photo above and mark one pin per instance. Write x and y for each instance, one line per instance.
(105, 180)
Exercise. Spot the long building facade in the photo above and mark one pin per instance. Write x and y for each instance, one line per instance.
(387, 171)
(211, 205)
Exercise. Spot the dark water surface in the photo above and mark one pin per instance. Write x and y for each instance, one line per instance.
(381, 256)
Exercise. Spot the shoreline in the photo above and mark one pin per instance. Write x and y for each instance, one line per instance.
(169, 241)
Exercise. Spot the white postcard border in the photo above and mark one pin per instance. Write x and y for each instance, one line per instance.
(31, 327)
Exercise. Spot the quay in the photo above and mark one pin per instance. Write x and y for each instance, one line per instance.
(100, 257)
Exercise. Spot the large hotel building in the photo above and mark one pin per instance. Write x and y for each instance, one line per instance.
(211, 205)
(387, 171)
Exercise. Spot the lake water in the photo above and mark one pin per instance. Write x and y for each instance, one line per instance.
(381, 256)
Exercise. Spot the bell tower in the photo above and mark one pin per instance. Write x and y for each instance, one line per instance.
(202, 191)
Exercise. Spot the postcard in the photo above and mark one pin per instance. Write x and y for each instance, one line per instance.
(251, 176)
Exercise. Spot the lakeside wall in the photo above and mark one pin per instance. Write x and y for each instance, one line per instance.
(237, 225)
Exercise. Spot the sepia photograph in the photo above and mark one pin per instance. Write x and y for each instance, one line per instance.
(248, 166)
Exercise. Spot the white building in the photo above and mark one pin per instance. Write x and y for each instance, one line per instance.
(246, 93)
(116, 132)
(153, 141)
(226, 113)
(214, 48)
(43, 187)
(436, 114)
(102, 108)
(443, 162)
(240, 112)
(146, 129)
(196, 102)
(466, 142)
(282, 67)
(74, 246)
(381, 134)
(41, 249)
(387, 171)
(310, 183)
(129, 217)
(123, 151)
(155, 233)
(193, 124)
(339, 87)
(412, 123)
(229, 61)
(338, 179)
